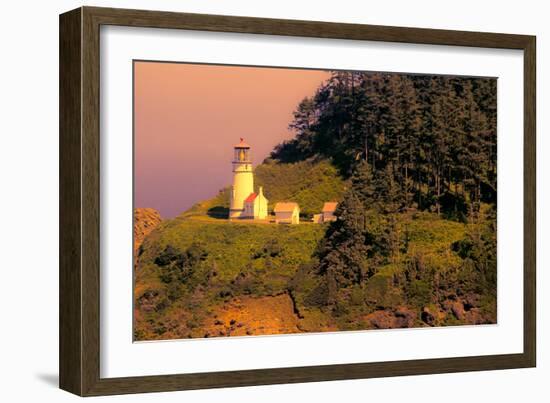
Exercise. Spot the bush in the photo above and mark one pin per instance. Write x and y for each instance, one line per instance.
(379, 291)
(419, 293)
(318, 296)
(167, 256)
(272, 249)
(357, 295)
(179, 267)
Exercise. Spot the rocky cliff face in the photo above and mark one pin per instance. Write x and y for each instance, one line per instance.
(145, 221)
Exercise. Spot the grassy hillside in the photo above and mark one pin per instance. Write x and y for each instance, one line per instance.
(231, 246)
(235, 260)
(200, 276)
(309, 183)
(265, 263)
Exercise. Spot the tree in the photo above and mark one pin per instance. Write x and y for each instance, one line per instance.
(431, 140)
(362, 183)
(343, 256)
(388, 195)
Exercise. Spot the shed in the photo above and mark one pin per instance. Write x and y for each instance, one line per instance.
(255, 206)
(328, 211)
(287, 213)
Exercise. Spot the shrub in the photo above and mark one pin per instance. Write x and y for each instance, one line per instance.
(272, 249)
(419, 293)
(167, 256)
(379, 291)
(318, 296)
(179, 267)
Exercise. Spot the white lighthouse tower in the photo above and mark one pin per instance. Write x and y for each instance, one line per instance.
(243, 179)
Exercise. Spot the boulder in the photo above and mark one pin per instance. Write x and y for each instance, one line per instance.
(457, 308)
(402, 317)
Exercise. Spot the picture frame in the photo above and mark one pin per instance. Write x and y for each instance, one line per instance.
(79, 295)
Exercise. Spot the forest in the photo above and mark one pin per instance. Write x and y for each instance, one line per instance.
(431, 138)
(407, 143)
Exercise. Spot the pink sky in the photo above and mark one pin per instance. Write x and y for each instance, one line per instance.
(188, 117)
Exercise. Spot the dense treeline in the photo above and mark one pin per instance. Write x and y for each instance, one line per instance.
(406, 143)
(433, 138)
(371, 235)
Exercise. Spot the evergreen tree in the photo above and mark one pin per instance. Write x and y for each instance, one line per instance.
(428, 140)
(343, 257)
(362, 183)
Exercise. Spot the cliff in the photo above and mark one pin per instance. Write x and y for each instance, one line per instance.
(145, 221)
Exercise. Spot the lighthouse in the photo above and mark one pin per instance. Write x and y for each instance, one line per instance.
(243, 179)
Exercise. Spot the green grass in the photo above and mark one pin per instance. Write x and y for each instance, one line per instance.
(232, 246)
(249, 259)
(218, 204)
(308, 183)
(429, 233)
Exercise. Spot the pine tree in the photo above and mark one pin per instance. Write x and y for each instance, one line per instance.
(388, 196)
(343, 257)
(362, 183)
(430, 140)
(303, 125)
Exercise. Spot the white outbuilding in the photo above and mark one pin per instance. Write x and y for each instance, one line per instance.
(318, 218)
(328, 211)
(255, 206)
(287, 213)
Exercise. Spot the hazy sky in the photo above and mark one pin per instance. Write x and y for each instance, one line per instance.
(188, 117)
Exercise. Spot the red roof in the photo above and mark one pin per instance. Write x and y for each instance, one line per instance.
(281, 207)
(242, 144)
(329, 207)
(251, 197)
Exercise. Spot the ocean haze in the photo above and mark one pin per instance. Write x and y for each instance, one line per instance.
(187, 118)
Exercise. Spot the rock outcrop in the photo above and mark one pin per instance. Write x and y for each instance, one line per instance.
(244, 316)
(401, 317)
(145, 221)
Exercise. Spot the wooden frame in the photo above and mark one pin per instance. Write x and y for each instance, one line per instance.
(79, 201)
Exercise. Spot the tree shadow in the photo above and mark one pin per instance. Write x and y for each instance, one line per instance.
(219, 212)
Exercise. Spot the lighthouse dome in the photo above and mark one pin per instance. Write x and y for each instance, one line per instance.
(242, 144)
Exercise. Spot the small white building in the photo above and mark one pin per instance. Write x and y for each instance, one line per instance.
(255, 206)
(318, 218)
(287, 213)
(328, 211)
